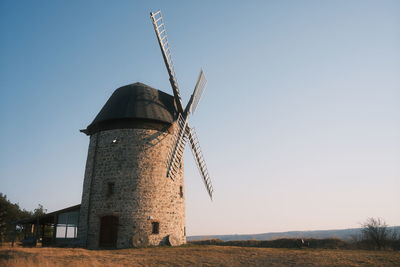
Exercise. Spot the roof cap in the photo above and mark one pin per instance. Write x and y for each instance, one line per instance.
(135, 105)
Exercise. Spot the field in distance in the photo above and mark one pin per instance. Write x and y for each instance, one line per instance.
(195, 255)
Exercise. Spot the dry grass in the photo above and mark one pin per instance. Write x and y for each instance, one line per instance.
(195, 256)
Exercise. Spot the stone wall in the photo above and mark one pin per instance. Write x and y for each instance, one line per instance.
(135, 161)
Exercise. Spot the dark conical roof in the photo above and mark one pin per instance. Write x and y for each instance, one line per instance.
(134, 106)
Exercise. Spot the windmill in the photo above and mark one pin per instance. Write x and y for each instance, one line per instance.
(183, 132)
(132, 192)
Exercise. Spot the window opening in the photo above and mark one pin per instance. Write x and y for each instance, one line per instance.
(155, 228)
(110, 189)
(181, 191)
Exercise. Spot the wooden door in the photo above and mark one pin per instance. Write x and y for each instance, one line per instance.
(108, 232)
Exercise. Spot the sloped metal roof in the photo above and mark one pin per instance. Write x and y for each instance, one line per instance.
(133, 105)
(48, 217)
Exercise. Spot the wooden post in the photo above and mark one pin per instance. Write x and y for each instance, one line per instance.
(37, 229)
(14, 235)
(55, 228)
(66, 226)
(42, 234)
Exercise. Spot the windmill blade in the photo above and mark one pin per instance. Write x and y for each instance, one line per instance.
(161, 33)
(197, 92)
(176, 153)
(198, 156)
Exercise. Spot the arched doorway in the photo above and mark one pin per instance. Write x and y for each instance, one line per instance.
(108, 232)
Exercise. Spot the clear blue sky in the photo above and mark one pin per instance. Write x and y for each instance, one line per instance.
(299, 123)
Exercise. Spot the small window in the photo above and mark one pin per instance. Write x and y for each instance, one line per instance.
(110, 189)
(155, 228)
(181, 191)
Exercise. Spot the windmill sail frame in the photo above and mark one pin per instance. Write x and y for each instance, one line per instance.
(183, 132)
(162, 38)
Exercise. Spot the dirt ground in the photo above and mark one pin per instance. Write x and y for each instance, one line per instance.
(195, 256)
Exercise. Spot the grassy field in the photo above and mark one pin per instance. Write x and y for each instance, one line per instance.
(195, 255)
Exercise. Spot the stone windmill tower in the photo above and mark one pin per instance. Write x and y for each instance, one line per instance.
(133, 191)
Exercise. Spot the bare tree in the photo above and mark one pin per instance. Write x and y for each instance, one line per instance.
(39, 211)
(375, 230)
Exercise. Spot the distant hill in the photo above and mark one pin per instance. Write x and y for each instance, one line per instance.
(344, 234)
